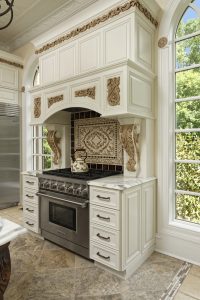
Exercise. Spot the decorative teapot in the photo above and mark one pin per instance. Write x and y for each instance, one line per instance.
(79, 165)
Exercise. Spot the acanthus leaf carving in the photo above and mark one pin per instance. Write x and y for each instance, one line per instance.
(113, 90)
(89, 92)
(53, 100)
(37, 107)
(129, 135)
(53, 142)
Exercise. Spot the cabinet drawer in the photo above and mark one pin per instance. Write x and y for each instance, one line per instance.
(104, 216)
(30, 224)
(30, 211)
(105, 256)
(105, 197)
(104, 236)
(30, 197)
(30, 182)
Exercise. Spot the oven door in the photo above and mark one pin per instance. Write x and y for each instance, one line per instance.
(65, 216)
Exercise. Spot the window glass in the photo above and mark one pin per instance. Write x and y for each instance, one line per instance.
(189, 23)
(187, 52)
(188, 146)
(188, 177)
(188, 114)
(187, 83)
(188, 208)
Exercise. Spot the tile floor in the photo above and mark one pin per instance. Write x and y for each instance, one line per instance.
(42, 270)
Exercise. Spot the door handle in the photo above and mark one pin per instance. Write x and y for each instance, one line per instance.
(102, 256)
(103, 218)
(103, 237)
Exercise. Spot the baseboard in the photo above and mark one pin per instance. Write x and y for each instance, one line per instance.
(174, 246)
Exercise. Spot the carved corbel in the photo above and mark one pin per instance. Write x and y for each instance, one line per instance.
(129, 135)
(53, 142)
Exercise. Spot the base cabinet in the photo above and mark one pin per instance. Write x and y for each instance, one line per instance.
(122, 237)
(30, 203)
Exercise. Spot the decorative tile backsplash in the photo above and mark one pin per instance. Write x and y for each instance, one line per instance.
(100, 138)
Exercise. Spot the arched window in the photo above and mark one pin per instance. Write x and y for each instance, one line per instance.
(187, 111)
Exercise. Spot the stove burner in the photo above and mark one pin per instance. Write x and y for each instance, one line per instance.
(90, 175)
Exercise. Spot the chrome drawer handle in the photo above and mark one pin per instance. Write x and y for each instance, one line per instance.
(103, 198)
(103, 237)
(103, 218)
(29, 182)
(29, 196)
(30, 224)
(30, 210)
(102, 256)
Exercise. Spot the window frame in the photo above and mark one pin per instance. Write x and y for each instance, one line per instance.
(175, 130)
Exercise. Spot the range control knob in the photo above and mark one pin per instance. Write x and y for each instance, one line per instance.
(47, 184)
(85, 192)
(54, 185)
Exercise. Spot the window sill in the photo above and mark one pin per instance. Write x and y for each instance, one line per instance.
(185, 225)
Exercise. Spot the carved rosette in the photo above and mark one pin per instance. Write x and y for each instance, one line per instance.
(37, 107)
(53, 142)
(101, 19)
(53, 100)
(162, 42)
(90, 92)
(129, 135)
(113, 90)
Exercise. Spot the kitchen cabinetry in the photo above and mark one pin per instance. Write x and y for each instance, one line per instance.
(30, 203)
(10, 78)
(122, 223)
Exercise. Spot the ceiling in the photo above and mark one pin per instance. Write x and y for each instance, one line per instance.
(31, 18)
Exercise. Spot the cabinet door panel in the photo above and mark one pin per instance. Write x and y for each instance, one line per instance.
(89, 53)
(9, 77)
(49, 68)
(67, 61)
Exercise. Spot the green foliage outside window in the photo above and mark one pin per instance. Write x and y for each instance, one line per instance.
(188, 117)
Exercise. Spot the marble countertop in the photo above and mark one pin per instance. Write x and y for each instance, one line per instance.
(9, 231)
(119, 182)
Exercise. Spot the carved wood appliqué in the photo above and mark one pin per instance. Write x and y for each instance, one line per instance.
(53, 100)
(113, 89)
(90, 92)
(130, 140)
(37, 107)
(53, 142)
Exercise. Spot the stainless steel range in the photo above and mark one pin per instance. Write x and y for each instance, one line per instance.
(64, 207)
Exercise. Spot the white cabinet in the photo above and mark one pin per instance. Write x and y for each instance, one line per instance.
(67, 56)
(8, 76)
(49, 68)
(30, 203)
(122, 226)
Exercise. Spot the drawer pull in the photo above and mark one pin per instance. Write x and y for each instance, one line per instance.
(103, 218)
(30, 182)
(30, 224)
(29, 196)
(102, 256)
(103, 198)
(103, 237)
(30, 210)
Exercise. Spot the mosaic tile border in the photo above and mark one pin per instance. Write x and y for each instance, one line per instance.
(176, 282)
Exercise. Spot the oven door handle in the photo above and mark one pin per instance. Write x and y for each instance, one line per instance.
(82, 205)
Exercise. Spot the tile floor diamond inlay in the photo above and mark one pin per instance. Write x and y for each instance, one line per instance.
(42, 270)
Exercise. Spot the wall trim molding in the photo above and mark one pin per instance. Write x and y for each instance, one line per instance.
(11, 63)
(101, 19)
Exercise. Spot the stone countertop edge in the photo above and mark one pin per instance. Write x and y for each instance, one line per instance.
(10, 231)
(119, 182)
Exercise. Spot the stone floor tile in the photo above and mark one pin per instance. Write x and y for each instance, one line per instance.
(108, 297)
(195, 270)
(24, 261)
(97, 282)
(27, 242)
(181, 296)
(81, 262)
(191, 286)
(55, 259)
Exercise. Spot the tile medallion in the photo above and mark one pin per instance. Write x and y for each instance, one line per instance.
(100, 138)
